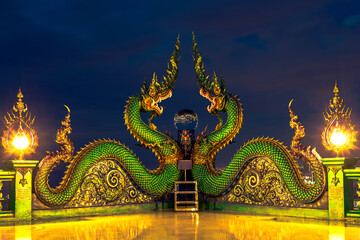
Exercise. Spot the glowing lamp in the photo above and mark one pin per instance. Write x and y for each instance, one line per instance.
(338, 138)
(21, 142)
(338, 134)
(20, 136)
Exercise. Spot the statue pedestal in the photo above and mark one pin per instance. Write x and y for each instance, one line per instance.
(23, 187)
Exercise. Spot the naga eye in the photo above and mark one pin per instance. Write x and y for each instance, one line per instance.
(152, 93)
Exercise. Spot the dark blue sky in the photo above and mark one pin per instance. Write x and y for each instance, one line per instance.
(93, 55)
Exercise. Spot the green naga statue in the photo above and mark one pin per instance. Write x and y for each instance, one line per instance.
(159, 182)
(155, 183)
(214, 182)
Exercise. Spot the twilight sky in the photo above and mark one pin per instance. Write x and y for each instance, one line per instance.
(92, 55)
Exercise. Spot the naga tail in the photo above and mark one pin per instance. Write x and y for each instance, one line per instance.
(308, 154)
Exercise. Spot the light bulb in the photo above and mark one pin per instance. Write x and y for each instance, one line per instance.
(338, 138)
(20, 142)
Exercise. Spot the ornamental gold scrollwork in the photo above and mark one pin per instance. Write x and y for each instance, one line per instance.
(106, 184)
(132, 192)
(260, 184)
(23, 172)
(335, 170)
(114, 178)
(238, 191)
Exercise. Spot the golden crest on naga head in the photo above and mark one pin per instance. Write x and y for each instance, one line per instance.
(339, 133)
(153, 86)
(20, 136)
(215, 85)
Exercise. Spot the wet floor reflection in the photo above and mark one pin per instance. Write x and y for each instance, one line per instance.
(170, 225)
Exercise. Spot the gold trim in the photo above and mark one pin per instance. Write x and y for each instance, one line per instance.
(198, 158)
(172, 159)
(335, 170)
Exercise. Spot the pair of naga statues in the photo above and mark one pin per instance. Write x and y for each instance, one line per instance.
(158, 183)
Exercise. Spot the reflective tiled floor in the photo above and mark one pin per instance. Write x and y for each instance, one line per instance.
(164, 225)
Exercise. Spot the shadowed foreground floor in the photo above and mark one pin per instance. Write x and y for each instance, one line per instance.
(165, 225)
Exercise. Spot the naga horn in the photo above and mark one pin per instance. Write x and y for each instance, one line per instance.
(203, 80)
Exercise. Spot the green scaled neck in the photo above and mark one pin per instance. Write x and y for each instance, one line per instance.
(165, 148)
(207, 146)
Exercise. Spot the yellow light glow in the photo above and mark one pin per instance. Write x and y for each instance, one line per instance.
(338, 138)
(21, 142)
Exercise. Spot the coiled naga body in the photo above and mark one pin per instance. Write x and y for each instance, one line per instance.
(118, 176)
(154, 183)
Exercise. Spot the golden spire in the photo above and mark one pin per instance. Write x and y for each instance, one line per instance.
(154, 84)
(20, 105)
(337, 102)
(215, 84)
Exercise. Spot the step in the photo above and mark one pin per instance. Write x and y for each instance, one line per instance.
(187, 202)
(185, 192)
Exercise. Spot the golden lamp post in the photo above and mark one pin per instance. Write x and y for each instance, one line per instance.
(338, 134)
(20, 136)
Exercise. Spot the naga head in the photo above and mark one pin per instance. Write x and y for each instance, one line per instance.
(155, 93)
(214, 90)
(215, 93)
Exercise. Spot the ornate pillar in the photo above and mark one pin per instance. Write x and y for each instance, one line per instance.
(337, 185)
(23, 187)
(335, 176)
